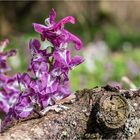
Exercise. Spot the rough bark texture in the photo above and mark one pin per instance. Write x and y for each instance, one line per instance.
(88, 117)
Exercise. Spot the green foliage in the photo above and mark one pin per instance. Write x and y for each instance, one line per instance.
(112, 37)
(81, 77)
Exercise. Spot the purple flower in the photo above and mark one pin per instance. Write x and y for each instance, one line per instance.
(36, 51)
(4, 55)
(48, 80)
(9, 92)
(62, 91)
(39, 58)
(62, 59)
(55, 33)
(45, 100)
(24, 81)
(23, 107)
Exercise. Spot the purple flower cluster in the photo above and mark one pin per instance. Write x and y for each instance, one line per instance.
(47, 78)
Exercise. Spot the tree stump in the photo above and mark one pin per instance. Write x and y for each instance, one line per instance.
(99, 113)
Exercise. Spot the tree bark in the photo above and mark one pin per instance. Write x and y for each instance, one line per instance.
(99, 113)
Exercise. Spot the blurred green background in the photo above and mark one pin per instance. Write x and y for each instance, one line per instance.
(110, 31)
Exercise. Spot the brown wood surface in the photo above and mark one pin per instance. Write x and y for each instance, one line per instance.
(79, 120)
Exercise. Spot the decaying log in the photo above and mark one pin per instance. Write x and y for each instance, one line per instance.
(99, 113)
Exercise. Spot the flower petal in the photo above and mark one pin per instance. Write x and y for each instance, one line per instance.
(52, 16)
(39, 27)
(76, 60)
(63, 21)
(34, 45)
(62, 57)
(75, 40)
(24, 107)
